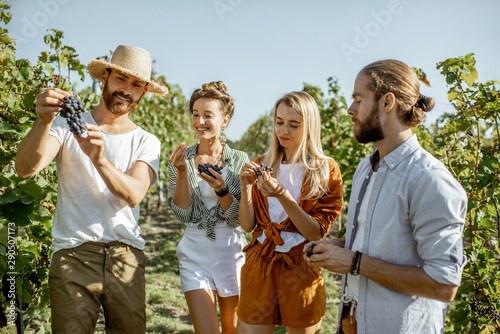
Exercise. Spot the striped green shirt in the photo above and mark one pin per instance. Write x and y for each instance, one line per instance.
(198, 213)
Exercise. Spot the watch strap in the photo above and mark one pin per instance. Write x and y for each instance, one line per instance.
(222, 192)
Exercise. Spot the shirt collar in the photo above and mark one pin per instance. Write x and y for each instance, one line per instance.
(399, 154)
(227, 154)
(191, 151)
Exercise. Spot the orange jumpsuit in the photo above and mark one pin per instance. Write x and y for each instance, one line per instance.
(280, 288)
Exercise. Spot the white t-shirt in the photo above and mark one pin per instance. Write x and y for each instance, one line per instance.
(276, 212)
(357, 243)
(86, 210)
(208, 196)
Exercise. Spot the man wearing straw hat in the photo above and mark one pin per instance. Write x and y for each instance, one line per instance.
(97, 247)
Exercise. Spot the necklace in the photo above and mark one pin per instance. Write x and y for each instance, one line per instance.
(199, 161)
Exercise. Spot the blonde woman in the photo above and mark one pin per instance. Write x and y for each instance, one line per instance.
(210, 251)
(295, 202)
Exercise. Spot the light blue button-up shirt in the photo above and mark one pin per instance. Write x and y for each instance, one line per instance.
(415, 216)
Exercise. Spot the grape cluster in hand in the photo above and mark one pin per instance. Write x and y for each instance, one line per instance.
(310, 248)
(258, 171)
(203, 168)
(72, 110)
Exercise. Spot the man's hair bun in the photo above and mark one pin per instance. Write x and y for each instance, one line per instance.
(425, 103)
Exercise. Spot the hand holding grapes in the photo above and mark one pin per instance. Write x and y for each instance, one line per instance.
(247, 174)
(49, 102)
(270, 186)
(178, 157)
(212, 175)
(93, 145)
(331, 255)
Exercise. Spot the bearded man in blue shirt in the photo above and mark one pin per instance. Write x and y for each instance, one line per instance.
(402, 256)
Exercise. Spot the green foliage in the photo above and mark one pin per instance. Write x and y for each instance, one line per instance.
(256, 139)
(64, 56)
(468, 144)
(26, 205)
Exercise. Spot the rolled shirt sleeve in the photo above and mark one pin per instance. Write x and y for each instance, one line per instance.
(231, 214)
(438, 220)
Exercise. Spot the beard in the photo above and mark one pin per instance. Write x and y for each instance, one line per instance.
(116, 107)
(370, 130)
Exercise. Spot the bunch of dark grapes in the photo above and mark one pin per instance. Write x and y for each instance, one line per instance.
(310, 249)
(33, 277)
(44, 254)
(45, 250)
(203, 168)
(72, 110)
(258, 171)
(483, 310)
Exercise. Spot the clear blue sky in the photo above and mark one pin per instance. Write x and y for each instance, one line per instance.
(263, 49)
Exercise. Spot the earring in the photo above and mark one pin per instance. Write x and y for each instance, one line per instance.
(222, 137)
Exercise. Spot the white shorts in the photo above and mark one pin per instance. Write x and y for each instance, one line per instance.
(212, 264)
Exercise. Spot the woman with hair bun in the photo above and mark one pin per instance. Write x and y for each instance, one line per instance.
(204, 193)
(289, 195)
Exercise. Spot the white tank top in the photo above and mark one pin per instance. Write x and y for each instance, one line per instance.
(276, 212)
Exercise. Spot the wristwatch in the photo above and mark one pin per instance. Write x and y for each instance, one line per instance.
(222, 192)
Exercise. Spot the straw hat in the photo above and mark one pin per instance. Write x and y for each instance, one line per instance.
(130, 60)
